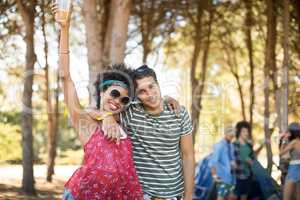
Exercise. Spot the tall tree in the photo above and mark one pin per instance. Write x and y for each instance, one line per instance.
(28, 12)
(94, 37)
(116, 34)
(204, 64)
(52, 116)
(285, 74)
(284, 82)
(196, 21)
(231, 54)
(106, 25)
(248, 32)
(270, 64)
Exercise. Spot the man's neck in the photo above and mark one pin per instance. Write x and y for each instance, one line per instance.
(155, 111)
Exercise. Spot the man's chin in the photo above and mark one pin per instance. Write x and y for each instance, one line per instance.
(152, 105)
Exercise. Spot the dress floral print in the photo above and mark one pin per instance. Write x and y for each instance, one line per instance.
(107, 172)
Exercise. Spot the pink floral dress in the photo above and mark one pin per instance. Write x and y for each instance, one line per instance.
(107, 172)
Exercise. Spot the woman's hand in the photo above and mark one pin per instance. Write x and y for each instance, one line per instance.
(111, 129)
(64, 23)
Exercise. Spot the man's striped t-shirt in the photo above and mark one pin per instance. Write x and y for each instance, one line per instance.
(156, 149)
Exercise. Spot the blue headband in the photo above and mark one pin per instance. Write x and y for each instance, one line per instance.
(113, 82)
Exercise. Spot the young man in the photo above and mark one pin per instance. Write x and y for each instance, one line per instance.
(162, 142)
(244, 157)
(222, 165)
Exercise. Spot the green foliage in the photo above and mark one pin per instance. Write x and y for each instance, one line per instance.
(10, 137)
(67, 137)
(10, 142)
(12, 117)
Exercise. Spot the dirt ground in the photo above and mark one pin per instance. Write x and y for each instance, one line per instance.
(11, 178)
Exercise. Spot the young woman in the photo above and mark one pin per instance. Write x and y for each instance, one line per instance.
(292, 182)
(107, 171)
(244, 156)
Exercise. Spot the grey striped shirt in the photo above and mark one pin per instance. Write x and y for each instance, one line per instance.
(156, 150)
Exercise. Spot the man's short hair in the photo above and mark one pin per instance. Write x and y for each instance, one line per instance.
(142, 72)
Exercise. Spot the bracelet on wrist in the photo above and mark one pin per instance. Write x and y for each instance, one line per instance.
(104, 116)
(67, 51)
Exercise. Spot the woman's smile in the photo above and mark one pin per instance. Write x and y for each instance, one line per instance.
(113, 106)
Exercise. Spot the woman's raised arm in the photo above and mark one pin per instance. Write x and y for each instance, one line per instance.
(83, 124)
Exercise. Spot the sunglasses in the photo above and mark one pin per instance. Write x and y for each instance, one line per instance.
(116, 94)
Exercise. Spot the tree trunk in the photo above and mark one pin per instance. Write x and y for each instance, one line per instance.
(285, 74)
(51, 137)
(93, 43)
(248, 25)
(284, 85)
(270, 63)
(193, 76)
(267, 112)
(28, 14)
(146, 52)
(146, 16)
(194, 84)
(105, 14)
(106, 35)
(241, 94)
(52, 140)
(232, 63)
(205, 60)
(52, 144)
(116, 34)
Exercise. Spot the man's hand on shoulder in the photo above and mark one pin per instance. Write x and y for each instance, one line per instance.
(173, 105)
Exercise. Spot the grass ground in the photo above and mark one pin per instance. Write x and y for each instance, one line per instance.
(11, 178)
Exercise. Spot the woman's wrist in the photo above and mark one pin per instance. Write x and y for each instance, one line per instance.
(104, 115)
(64, 51)
(64, 40)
